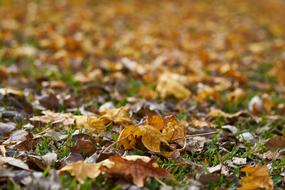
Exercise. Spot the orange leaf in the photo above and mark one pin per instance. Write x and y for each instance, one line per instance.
(155, 121)
(126, 138)
(151, 137)
(258, 178)
(174, 132)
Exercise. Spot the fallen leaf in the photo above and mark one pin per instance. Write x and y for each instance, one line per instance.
(6, 128)
(13, 162)
(137, 167)
(255, 105)
(2, 150)
(257, 178)
(275, 143)
(6, 91)
(170, 86)
(173, 131)
(200, 123)
(236, 95)
(268, 103)
(156, 121)
(127, 138)
(151, 137)
(54, 118)
(115, 115)
(82, 170)
(90, 122)
(207, 92)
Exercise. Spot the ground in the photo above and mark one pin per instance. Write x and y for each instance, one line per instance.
(142, 94)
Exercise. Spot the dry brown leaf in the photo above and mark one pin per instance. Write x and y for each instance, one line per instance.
(137, 167)
(13, 162)
(2, 150)
(170, 86)
(200, 123)
(219, 113)
(54, 118)
(89, 122)
(257, 178)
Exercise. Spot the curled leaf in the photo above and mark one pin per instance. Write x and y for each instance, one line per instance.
(151, 137)
(127, 138)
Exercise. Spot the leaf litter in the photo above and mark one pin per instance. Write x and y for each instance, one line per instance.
(142, 94)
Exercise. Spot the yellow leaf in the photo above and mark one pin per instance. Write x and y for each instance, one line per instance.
(173, 132)
(170, 86)
(156, 121)
(207, 92)
(116, 115)
(90, 122)
(82, 170)
(258, 178)
(126, 138)
(151, 137)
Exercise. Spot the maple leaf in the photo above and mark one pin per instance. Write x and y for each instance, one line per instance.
(138, 167)
(151, 137)
(258, 178)
(170, 86)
